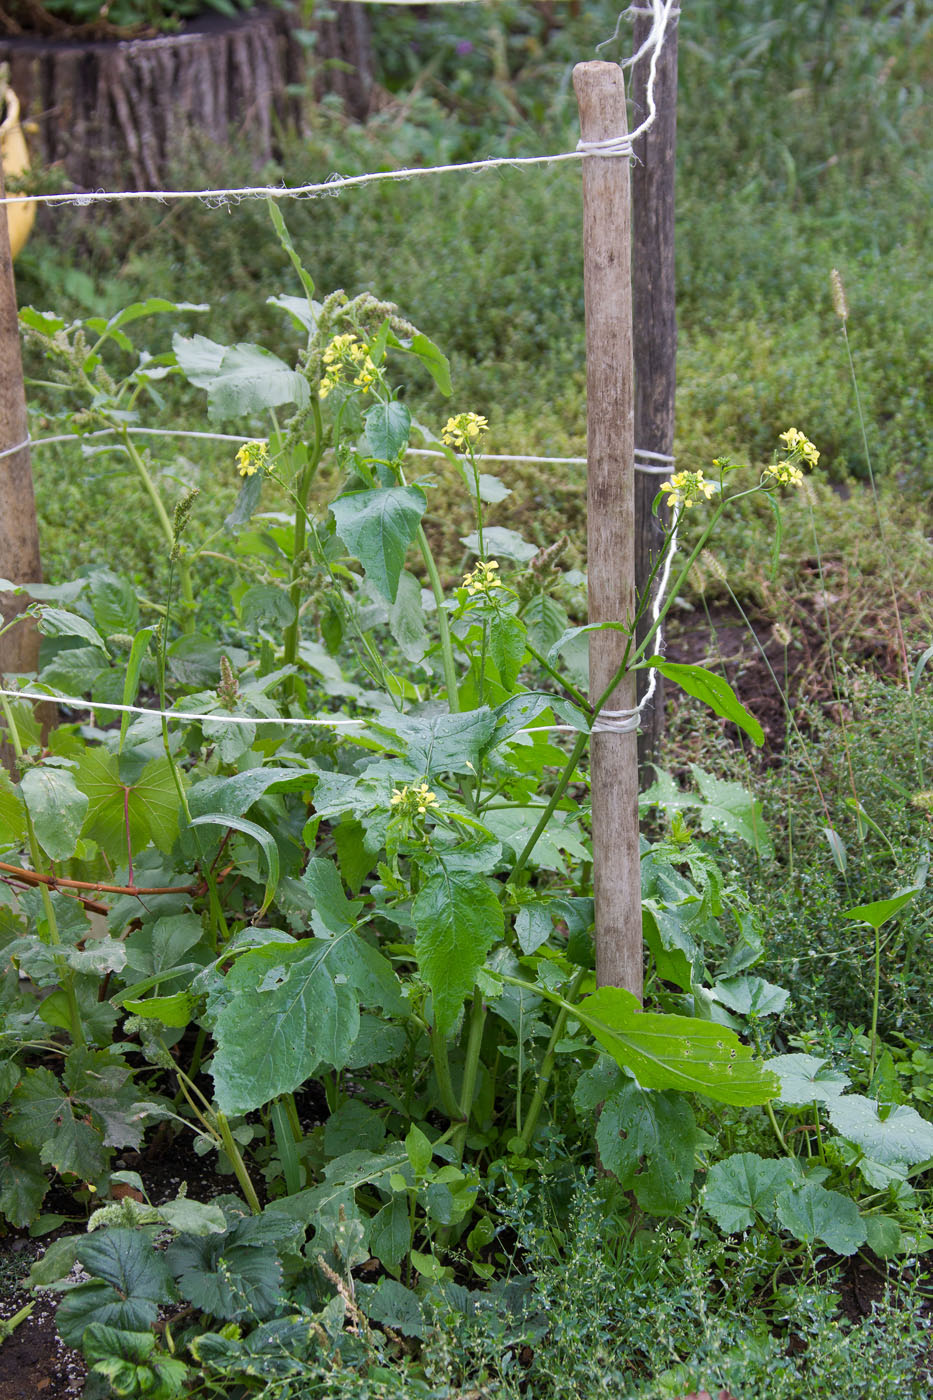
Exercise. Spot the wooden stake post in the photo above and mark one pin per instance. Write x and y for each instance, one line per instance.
(655, 321)
(19, 535)
(600, 91)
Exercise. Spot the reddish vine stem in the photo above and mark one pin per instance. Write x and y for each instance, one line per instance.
(32, 877)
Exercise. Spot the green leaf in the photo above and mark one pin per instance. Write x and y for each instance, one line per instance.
(332, 911)
(648, 1141)
(406, 618)
(131, 681)
(434, 360)
(296, 1001)
(812, 1213)
(388, 426)
(263, 602)
(379, 527)
(745, 1187)
(56, 622)
(114, 601)
(247, 503)
(353, 1125)
(713, 690)
(225, 1279)
(74, 670)
(57, 807)
(458, 919)
(393, 1305)
(390, 1235)
(239, 379)
(131, 1282)
(23, 1183)
(285, 238)
(673, 1052)
(571, 634)
(903, 1136)
(265, 840)
(41, 1115)
(883, 1235)
(507, 647)
(492, 490)
(883, 909)
(231, 797)
(805, 1079)
(174, 1011)
(445, 743)
(735, 809)
(751, 996)
(420, 1152)
(501, 543)
(151, 803)
(152, 306)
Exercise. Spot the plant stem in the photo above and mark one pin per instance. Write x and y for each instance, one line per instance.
(470, 1071)
(547, 1065)
(442, 1073)
(447, 651)
(184, 573)
(236, 1160)
(557, 794)
(304, 486)
(876, 998)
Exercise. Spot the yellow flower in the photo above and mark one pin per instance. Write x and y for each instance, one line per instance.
(251, 458)
(784, 473)
(413, 801)
(800, 445)
(347, 353)
(462, 430)
(483, 579)
(686, 487)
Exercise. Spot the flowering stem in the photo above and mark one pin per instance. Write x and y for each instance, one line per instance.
(447, 651)
(184, 573)
(470, 1070)
(556, 795)
(547, 1064)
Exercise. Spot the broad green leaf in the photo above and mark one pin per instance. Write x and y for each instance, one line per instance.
(152, 306)
(387, 428)
(883, 1235)
(648, 1140)
(379, 527)
(56, 622)
(174, 1011)
(735, 809)
(332, 911)
(57, 807)
(263, 602)
(228, 1280)
(231, 797)
(247, 503)
(23, 1183)
(75, 670)
(883, 909)
(114, 601)
(151, 803)
(239, 379)
(42, 1116)
(301, 1002)
(420, 1152)
(571, 634)
(745, 1187)
(751, 996)
(406, 618)
(265, 840)
(501, 543)
(560, 839)
(805, 1079)
(130, 1282)
(674, 1052)
(812, 1213)
(458, 919)
(390, 1302)
(492, 490)
(353, 1125)
(445, 743)
(713, 690)
(903, 1136)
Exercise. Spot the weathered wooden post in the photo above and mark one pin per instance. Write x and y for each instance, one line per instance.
(655, 320)
(19, 535)
(600, 90)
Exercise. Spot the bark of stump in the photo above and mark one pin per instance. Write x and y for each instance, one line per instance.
(116, 113)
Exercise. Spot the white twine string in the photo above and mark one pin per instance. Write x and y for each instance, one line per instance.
(616, 146)
(640, 466)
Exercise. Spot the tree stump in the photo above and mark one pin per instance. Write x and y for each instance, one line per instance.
(115, 114)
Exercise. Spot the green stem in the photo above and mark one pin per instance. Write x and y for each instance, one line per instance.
(547, 1066)
(447, 651)
(66, 974)
(236, 1160)
(553, 672)
(777, 1131)
(184, 573)
(470, 1071)
(301, 516)
(442, 1073)
(557, 794)
(874, 1007)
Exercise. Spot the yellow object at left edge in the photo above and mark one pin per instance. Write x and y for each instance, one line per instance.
(15, 155)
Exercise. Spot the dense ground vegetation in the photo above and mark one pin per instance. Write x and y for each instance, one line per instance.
(527, 1265)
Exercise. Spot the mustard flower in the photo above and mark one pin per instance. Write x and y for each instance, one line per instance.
(798, 443)
(347, 352)
(413, 801)
(252, 457)
(461, 431)
(483, 579)
(784, 473)
(685, 488)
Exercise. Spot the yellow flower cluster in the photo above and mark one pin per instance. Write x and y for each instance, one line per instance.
(784, 473)
(461, 431)
(413, 801)
(347, 352)
(252, 457)
(795, 441)
(483, 579)
(684, 488)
